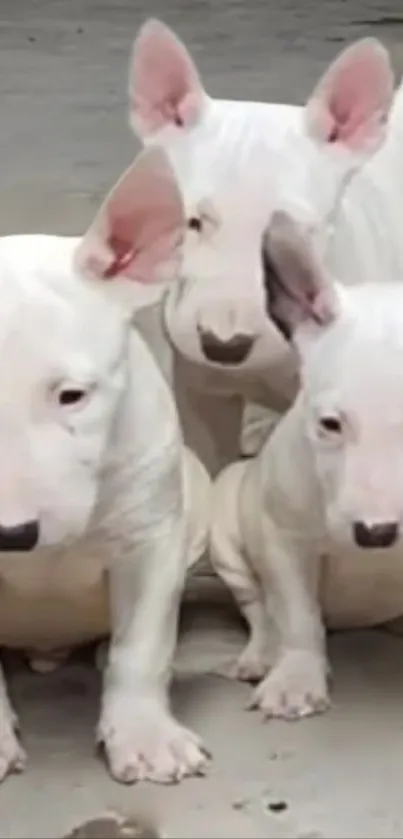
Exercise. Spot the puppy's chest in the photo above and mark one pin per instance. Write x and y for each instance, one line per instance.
(38, 571)
(51, 599)
(361, 587)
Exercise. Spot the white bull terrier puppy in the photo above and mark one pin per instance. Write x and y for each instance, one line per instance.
(236, 162)
(310, 533)
(99, 512)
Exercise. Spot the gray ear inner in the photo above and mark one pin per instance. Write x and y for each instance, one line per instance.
(275, 291)
(286, 304)
(293, 279)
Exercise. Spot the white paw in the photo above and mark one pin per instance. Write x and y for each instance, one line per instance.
(147, 744)
(12, 755)
(251, 666)
(295, 688)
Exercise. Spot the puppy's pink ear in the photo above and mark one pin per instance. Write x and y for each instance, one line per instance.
(140, 225)
(164, 84)
(351, 103)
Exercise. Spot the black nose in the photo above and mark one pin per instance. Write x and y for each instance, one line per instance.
(233, 351)
(19, 537)
(375, 536)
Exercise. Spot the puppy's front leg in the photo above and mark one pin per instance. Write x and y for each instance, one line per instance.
(141, 738)
(12, 755)
(297, 685)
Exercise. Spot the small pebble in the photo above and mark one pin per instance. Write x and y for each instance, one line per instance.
(277, 806)
(240, 804)
(114, 827)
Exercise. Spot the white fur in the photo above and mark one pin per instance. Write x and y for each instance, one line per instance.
(122, 507)
(282, 539)
(236, 164)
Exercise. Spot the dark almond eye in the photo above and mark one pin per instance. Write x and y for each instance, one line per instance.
(195, 223)
(71, 396)
(330, 424)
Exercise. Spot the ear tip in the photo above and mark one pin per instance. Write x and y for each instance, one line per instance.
(371, 48)
(380, 67)
(281, 223)
(365, 49)
(152, 29)
(370, 42)
(280, 216)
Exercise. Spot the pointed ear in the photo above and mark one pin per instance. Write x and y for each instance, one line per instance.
(298, 290)
(139, 228)
(352, 101)
(164, 85)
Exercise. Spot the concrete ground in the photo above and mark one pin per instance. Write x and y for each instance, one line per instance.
(337, 775)
(63, 141)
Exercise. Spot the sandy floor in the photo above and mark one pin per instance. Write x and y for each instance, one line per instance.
(63, 141)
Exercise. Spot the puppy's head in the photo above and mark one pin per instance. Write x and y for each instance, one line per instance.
(350, 344)
(237, 162)
(64, 359)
